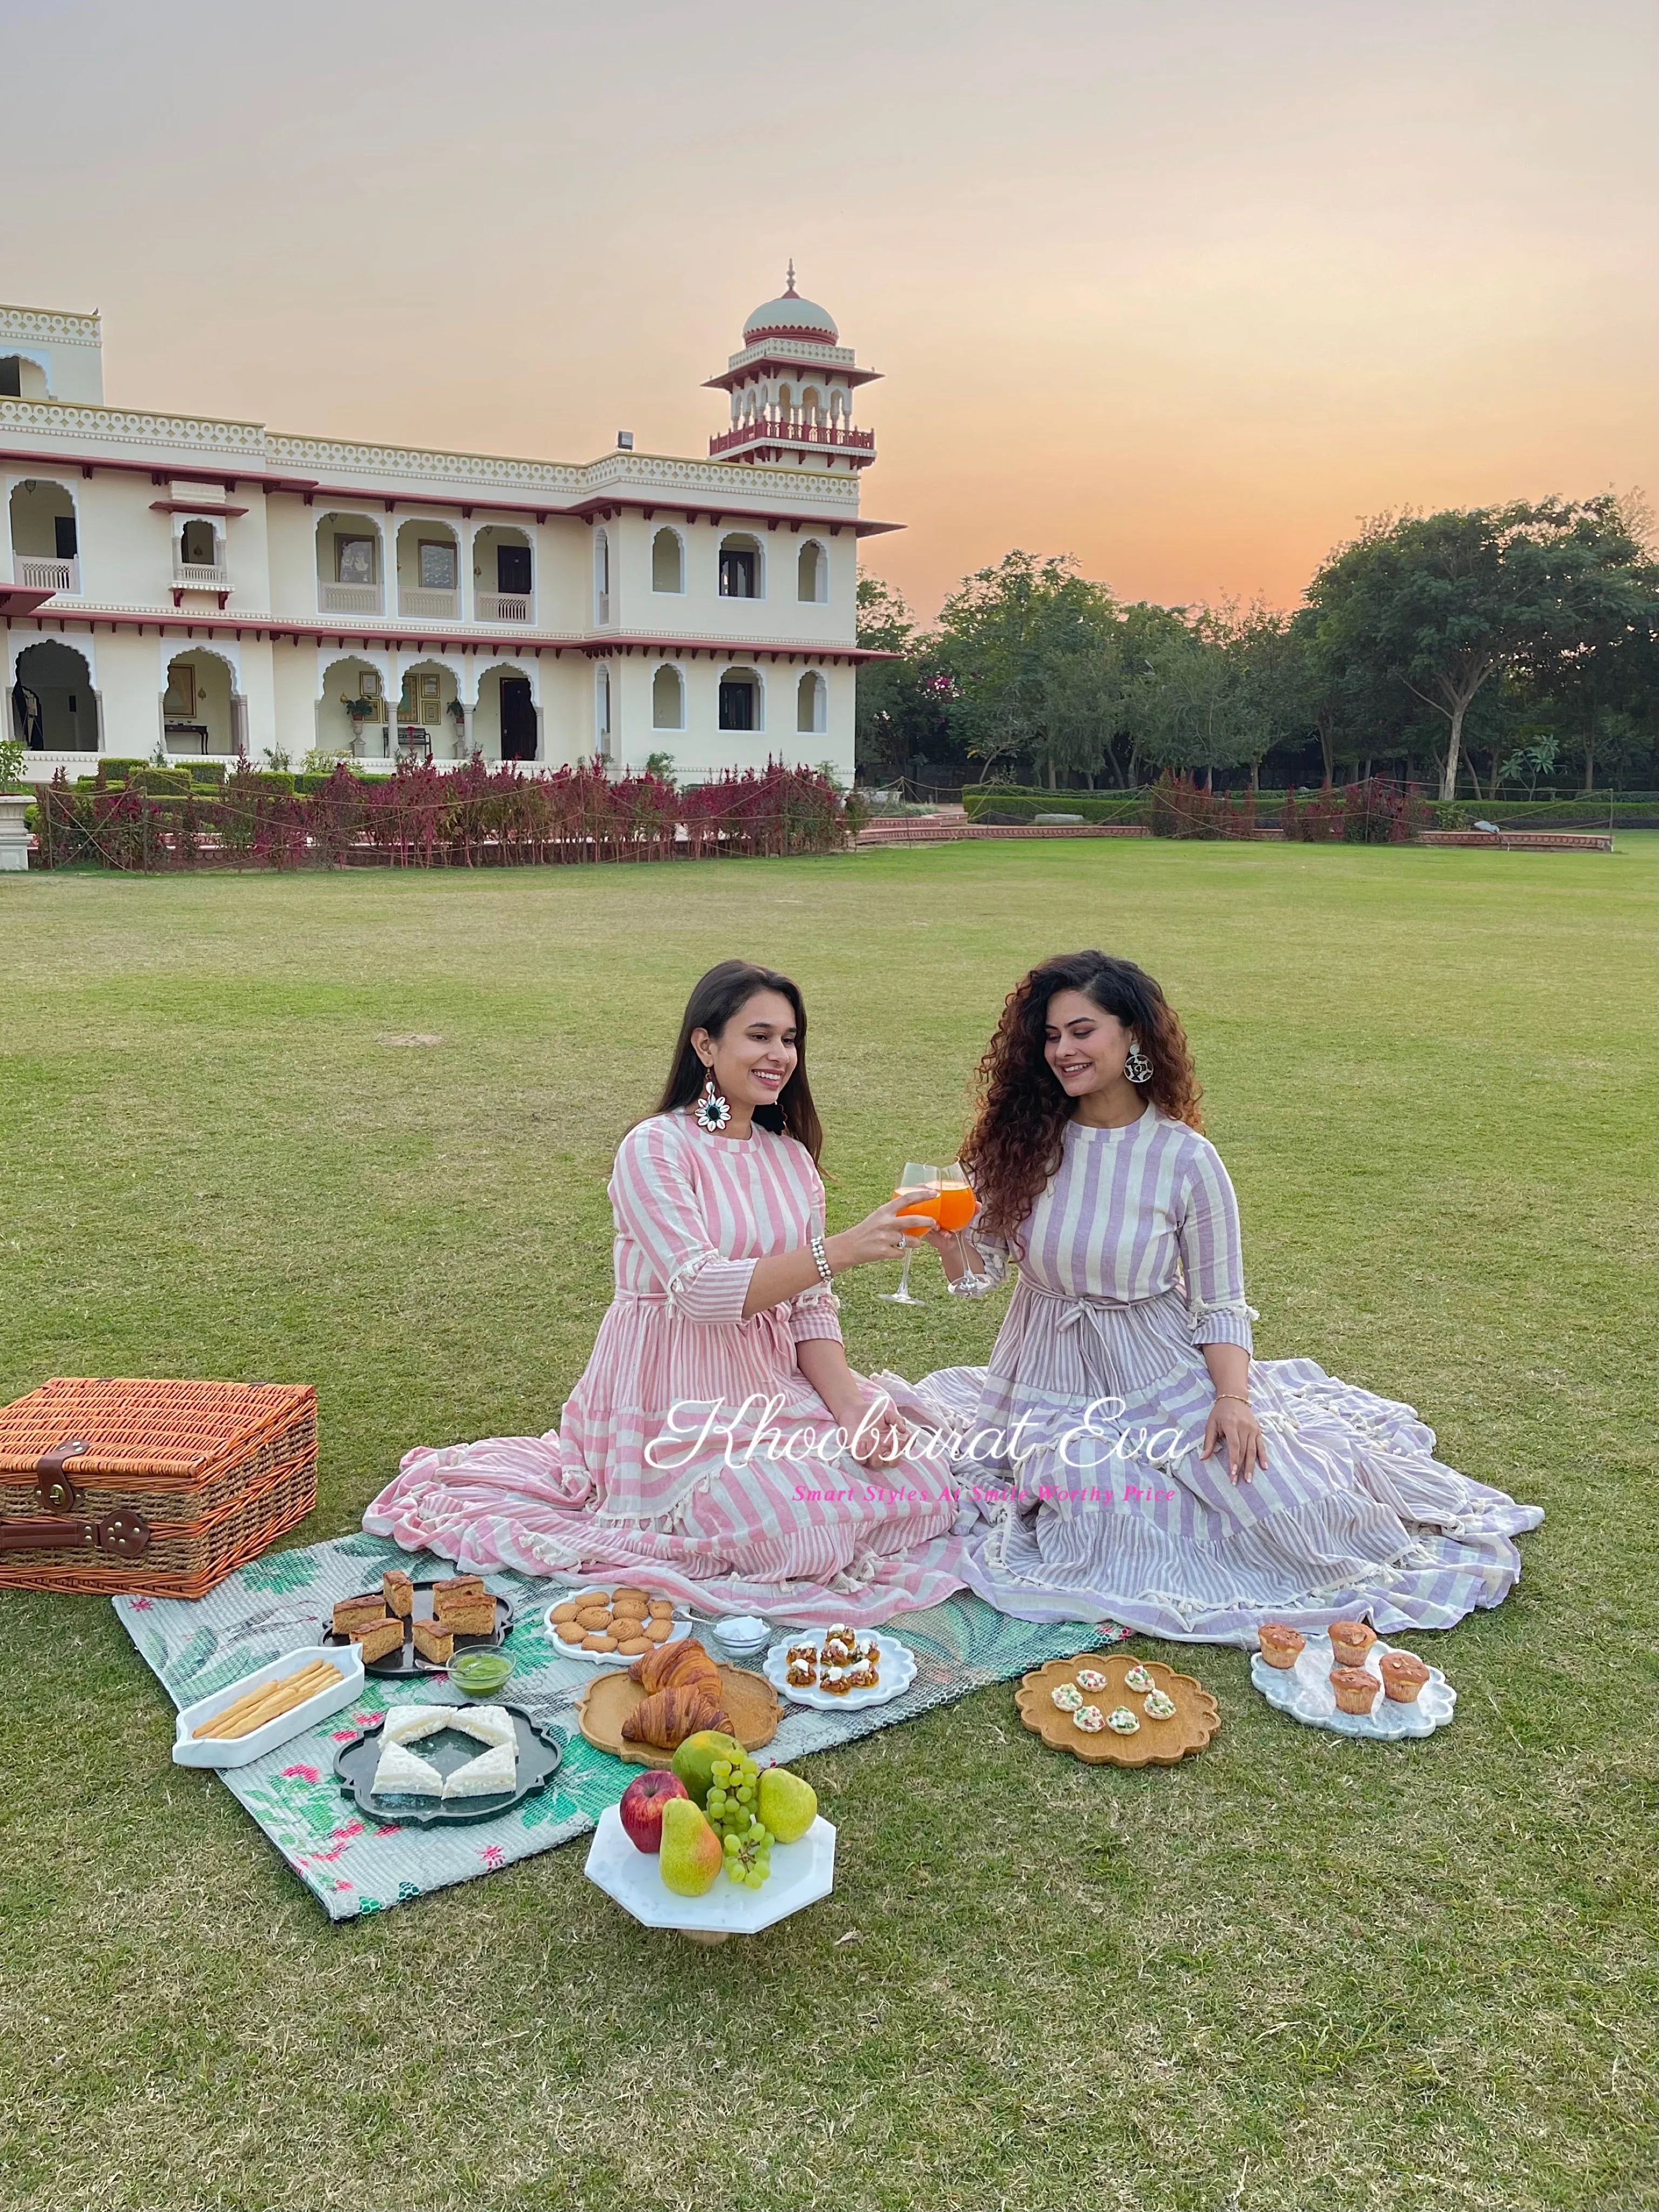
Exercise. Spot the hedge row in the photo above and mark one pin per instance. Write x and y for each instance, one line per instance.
(994, 804)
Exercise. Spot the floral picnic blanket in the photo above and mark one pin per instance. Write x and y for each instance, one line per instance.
(354, 1864)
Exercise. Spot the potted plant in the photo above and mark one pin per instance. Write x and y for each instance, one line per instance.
(15, 800)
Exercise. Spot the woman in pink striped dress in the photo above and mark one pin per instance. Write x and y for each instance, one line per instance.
(1141, 1469)
(718, 1446)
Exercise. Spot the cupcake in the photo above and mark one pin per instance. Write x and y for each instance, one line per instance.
(1157, 1706)
(1355, 1689)
(1139, 1681)
(1066, 1696)
(1350, 1641)
(1090, 1719)
(1403, 1675)
(1122, 1721)
(1280, 1646)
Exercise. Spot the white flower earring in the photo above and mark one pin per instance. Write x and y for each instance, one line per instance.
(1137, 1068)
(712, 1111)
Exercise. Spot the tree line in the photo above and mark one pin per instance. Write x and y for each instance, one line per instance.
(1502, 647)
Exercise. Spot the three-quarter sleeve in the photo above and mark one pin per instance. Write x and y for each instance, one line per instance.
(987, 1262)
(1212, 1253)
(656, 1204)
(813, 1313)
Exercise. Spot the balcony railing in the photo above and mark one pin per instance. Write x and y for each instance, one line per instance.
(349, 598)
(762, 433)
(503, 606)
(39, 574)
(200, 576)
(429, 605)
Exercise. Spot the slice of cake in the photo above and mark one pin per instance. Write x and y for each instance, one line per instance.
(434, 1639)
(403, 1773)
(357, 1613)
(378, 1639)
(470, 1616)
(409, 1723)
(398, 1592)
(494, 1770)
(488, 1722)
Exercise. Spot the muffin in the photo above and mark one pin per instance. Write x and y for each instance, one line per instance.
(1350, 1641)
(1403, 1675)
(1280, 1646)
(1355, 1689)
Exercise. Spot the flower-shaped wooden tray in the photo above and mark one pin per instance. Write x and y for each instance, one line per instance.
(1155, 1743)
(750, 1701)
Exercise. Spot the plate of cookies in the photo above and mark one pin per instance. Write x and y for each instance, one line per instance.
(613, 1627)
(1346, 1678)
(837, 1667)
(1111, 1708)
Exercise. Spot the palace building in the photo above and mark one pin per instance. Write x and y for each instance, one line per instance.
(175, 585)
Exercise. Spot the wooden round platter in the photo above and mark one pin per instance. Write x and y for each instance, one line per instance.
(1155, 1743)
(750, 1701)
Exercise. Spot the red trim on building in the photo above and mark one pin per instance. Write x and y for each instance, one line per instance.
(17, 600)
(771, 361)
(201, 506)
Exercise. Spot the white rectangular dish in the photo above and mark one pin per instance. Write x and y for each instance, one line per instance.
(242, 1751)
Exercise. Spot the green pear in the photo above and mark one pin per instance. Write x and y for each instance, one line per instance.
(691, 1857)
(787, 1805)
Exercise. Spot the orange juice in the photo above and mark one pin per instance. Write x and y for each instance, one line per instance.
(925, 1202)
(956, 1206)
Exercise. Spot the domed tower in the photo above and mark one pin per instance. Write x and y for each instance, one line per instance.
(791, 388)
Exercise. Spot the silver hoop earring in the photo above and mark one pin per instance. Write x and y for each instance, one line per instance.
(1137, 1068)
(713, 1112)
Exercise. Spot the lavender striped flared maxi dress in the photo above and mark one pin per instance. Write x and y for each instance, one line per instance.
(1081, 1438)
(694, 1456)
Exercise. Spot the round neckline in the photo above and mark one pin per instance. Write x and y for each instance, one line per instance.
(1147, 1113)
(739, 1146)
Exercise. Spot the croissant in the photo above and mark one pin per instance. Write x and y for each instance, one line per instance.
(681, 1664)
(667, 1718)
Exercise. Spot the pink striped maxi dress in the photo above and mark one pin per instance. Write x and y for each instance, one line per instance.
(695, 1458)
(1083, 1435)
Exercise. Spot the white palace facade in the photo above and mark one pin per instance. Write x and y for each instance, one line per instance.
(175, 585)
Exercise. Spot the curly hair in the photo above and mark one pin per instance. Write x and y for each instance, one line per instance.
(1015, 1144)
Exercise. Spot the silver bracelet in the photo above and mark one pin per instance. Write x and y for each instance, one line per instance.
(821, 1260)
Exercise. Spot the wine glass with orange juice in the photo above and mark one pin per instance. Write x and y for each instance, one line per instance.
(919, 1187)
(956, 1204)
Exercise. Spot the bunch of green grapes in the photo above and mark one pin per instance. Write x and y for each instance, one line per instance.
(745, 1841)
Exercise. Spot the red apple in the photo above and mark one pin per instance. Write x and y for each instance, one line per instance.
(641, 1806)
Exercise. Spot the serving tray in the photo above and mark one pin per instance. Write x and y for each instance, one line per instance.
(750, 1701)
(539, 1752)
(404, 1665)
(1155, 1743)
(1304, 1693)
(896, 1666)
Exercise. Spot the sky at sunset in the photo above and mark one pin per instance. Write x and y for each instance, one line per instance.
(1183, 286)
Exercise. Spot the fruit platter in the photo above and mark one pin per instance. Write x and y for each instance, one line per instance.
(713, 1845)
(1346, 1679)
(1111, 1708)
(838, 1670)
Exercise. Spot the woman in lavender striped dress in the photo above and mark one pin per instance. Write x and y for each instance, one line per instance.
(1131, 1462)
(718, 1446)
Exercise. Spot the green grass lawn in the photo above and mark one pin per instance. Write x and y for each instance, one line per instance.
(1295, 1972)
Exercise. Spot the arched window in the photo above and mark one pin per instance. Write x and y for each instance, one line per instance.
(742, 570)
(812, 703)
(601, 576)
(602, 711)
(667, 698)
(812, 572)
(196, 546)
(741, 703)
(667, 562)
(54, 707)
(23, 379)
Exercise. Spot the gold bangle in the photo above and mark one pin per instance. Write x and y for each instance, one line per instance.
(1236, 1397)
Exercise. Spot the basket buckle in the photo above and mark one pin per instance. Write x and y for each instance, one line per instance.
(56, 1493)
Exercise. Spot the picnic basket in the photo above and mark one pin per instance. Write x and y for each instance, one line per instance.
(153, 1486)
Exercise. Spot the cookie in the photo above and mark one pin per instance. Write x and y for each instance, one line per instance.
(658, 1632)
(629, 1608)
(633, 1646)
(594, 1617)
(569, 1632)
(661, 1608)
(591, 1597)
(627, 1589)
(567, 1611)
(595, 1640)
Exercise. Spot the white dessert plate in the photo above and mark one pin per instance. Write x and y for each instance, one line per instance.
(675, 1635)
(897, 1669)
(1304, 1693)
(801, 1873)
(242, 1751)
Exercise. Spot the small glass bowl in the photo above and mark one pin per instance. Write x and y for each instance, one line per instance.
(480, 1674)
(743, 1637)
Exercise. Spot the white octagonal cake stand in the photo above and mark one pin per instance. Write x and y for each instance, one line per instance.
(801, 1873)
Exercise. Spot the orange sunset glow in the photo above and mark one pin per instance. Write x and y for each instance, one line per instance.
(1182, 288)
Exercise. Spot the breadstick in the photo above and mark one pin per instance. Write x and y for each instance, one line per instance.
(284, 1697)
(308, 1681)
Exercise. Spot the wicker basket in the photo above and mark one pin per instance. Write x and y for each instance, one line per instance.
(159, 1487)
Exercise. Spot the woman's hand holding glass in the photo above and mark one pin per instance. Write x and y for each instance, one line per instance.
(877, 1237)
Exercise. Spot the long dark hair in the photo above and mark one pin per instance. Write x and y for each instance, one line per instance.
(715, 998)
(1016, 1139)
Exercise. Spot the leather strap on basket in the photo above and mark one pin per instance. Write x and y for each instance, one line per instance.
(123, 1534)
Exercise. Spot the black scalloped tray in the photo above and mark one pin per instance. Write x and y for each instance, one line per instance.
(541, 1753)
